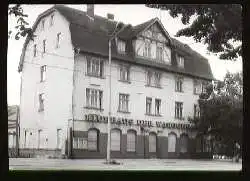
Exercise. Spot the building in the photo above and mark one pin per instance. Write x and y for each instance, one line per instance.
(155, 83)
(13, 130)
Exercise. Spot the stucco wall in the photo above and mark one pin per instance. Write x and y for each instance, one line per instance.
(138, 93)
(57, 87)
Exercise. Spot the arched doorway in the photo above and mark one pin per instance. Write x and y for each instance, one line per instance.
(171, 142)
(184, 143)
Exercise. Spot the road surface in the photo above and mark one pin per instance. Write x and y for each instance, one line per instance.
(125, 164)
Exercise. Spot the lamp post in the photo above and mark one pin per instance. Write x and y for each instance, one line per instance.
(112, 36)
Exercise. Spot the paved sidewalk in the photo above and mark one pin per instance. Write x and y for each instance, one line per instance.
(126, 164)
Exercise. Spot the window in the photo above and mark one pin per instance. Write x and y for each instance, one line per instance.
(204, 85)
(152, 142)
(124, 73)
(147, 49)
(148, 105)
(58, 40)
(79, 143)
(183, 143)
(123, 102)
(43, 73)
(121, 46)
(157, 106)
(44, 46)
(197, 87)
(35, 51)
(131, 140)
(95, 67)
(41, 102)
(157, 79)
(159, 53)
(196, 111)
(178, 84)
(39, 139)
(93, 139)
(153, 78)
(43, 24)
(178, 110)
(94, 98)
(171, 142)
(115, 140)
(180, 61)
(149, 78)
(58, 138)
(52, 20)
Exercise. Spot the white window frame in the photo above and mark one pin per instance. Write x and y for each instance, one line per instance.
(197, 87)
(93, 140)
(160, 53)
(131, 141)
(124, 73)
(123, 102)
(147, 49)
(95, 67)
(43, 70)
(115, 136)
(121, 46)
(180, 61)
(152, 143)
(58, 40)
(94, 98)
(158, 107)
(179, 110)
(41, 101)
(148, 105)
(157, 79)
(179, 84)
(149, 76)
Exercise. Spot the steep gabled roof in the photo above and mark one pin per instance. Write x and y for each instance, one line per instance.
(95, 33)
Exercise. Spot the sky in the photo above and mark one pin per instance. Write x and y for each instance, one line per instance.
(129, 14)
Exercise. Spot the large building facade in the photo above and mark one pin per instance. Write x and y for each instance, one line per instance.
(155, 84)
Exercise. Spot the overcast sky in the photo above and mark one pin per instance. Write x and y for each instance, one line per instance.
(130, 14)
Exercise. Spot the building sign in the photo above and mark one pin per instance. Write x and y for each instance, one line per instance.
(124, 121)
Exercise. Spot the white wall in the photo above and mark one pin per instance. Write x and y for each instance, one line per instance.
(57, 86)
(137, 91)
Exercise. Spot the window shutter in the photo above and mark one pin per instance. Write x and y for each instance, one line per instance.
(92, 139)
(131, 141)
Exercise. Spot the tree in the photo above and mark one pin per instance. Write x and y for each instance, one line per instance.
(220, 26)
(222, 111)
(22, 25)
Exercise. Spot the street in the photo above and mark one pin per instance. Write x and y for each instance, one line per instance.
(126, 164)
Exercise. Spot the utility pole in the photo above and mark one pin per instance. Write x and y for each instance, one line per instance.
(112, 36)
(109, 119)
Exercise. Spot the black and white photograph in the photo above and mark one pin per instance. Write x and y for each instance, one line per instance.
(125, 87)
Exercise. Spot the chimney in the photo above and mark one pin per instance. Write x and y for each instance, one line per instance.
(110, 16)
(90, 10)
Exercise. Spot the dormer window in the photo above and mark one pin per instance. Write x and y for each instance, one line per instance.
(52, 20)
(180, 61)
(159, 53)
(43, 24)
(121, 46)
(147, 49)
